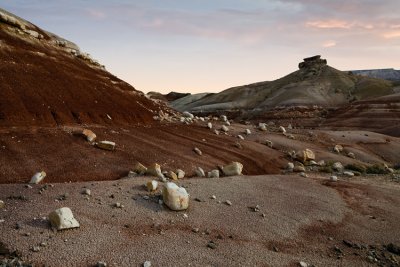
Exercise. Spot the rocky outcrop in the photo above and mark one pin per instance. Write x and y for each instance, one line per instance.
(312, 66)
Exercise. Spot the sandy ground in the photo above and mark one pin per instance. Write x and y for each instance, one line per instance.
(305, 218)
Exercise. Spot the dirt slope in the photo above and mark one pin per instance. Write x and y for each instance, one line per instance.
(45, 80)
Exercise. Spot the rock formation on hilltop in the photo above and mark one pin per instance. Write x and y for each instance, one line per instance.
(46, 80)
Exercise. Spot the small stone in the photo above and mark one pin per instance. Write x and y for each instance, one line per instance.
(2, 204)
(240, 137)
(348, 173)
(303, 174)
(106, 145)
(63, 219)
(101, 264)
(152, 185)
(228, 202)
(38, 177)
(299, 168)
(351, 155)
(209, 125)
(268, 143)
(35, 249)
(213, 174)
(303, 264)
(155, 170)
(223, 118)
(180, 173)
(139, 169)
(216, 132)
(213, 197)
(333, 178)
(185, 216)
(338, 149)
(290, 166)
(118, 205)
(247, 131)
(282, 129)
(262, 126)
(337, 166)
(198, 151)
(90, 136)
(172, 175)
(147, 264)
(87, 192)
(224, 128)
(200, 172)
(212, 245)
(195, 230)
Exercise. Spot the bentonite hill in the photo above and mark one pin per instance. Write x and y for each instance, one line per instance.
(302, 171)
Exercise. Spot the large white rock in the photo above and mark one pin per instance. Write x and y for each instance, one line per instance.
(247, 131)
(187, 114)
(282, 129)
(262, 126)
(209, 125)
(305, 155)
(223, 118)
(106, 145)
(224, 128)
(63, 219)
(337, 166)
(234, 168)
(37, 177)
(180, 173)
(139, 168)
(175, 197)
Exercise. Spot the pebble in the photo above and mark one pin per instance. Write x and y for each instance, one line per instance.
(195, 230)
(35, 249)
(198, 151)
(212, 245)
(185, 216)
(87, 192)
(333, 178)
(228, 202)
(147, 264)
(101, 264)
(213, 197)
(303, 264)
(2, 204)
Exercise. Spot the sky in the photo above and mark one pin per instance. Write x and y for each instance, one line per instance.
(210, 45)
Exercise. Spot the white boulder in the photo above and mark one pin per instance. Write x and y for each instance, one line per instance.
(175, 197)
(187, 114)
(63, 219)
(282, 129)
(209, 125)
(213, 174)
(152, 185)
(200, 172)
(247, 131)
(90, 136)
(224, 128)
(106, 145)
(180, 173)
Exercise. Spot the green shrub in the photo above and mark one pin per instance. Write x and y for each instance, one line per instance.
(377, 169)
(356, 167)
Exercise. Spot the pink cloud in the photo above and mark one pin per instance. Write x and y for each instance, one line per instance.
(391, 35)
(328, 44)
(330, 24)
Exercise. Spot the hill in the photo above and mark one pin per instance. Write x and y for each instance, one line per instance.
(386, 74)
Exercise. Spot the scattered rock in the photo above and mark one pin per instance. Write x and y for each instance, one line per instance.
(35, 249)
(155, 170)
(223, 118)
(187, 114)
(152, 185)
(351, 155)
(2, 204)
(139, 168)
(240, 137)
(348, 173)
(38, 177)
(247, 131)
(198, 151)
(63, 219)
(172, 175)
(216, 132)
(305, 155)
(234, 168)
(118, 205)
(175, 197)
(338, 149)
(87, 192)
(337, 166)
(299, 167)
(303, 264)
(213, 174)
(268, 143)
(90, 136)
(212, 245)
(262, 126)
(238, 145)
(290, 166)
(213, 197)
(282, 129)
(224, 128)
(147, 264)
(228, 202)
(101, 264)
(333, 178)
(200, 172)
(209, 125)
(303, 174)
(227, 123)
(106, 145)
(195, 230)
(180, 174)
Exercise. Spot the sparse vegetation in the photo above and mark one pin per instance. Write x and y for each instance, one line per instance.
(356, 167)
(376, 169)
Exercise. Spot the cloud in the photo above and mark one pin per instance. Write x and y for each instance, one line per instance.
(391, 35)
(96, 14)
(330, 24)
(328, 44)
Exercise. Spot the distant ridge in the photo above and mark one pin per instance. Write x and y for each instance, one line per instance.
(386, 74)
